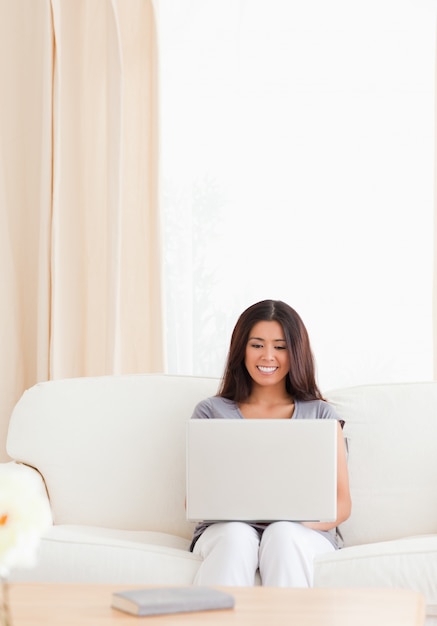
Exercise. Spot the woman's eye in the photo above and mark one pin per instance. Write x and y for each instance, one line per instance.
(256, 345)
(281, 347)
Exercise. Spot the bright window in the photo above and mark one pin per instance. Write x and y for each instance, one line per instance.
(297, 163)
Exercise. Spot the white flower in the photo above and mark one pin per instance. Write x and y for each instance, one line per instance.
(24, 516)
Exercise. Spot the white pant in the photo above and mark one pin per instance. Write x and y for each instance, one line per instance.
(232, 552)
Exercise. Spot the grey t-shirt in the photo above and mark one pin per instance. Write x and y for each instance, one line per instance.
(222, 408)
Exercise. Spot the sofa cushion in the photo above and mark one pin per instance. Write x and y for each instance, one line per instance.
(391, 431)
(406, 563)
(86, 554)
(111, 448)
(99, 535)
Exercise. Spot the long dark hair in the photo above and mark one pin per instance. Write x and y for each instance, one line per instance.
(301, 380)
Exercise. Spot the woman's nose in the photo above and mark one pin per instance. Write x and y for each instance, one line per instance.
(268, 353)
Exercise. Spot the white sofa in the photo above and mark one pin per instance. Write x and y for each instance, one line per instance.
(111, 451)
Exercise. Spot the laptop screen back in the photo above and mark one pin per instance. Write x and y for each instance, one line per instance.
(261, 470)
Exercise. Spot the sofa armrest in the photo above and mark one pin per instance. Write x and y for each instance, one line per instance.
(31, 471)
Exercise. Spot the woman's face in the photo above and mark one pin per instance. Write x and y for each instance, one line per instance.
(266, 357)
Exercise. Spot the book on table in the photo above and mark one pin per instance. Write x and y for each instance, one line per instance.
(161, 600)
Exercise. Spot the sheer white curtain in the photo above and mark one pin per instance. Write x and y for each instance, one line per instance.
(297, 156)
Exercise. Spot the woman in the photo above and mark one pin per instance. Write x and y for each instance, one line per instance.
(269, 374)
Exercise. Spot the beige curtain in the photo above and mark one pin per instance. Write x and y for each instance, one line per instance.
(79, 229)
(434, 299)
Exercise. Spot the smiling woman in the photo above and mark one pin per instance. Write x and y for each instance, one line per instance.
(269, 375)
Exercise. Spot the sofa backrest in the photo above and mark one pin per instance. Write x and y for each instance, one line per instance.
(112, 452)
(392, 435)
(111, 449)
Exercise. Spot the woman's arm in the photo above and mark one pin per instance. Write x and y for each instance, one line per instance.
(344, 503)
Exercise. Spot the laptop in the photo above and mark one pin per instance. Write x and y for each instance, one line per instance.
(261, 470)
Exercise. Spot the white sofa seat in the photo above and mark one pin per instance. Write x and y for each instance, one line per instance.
(409, 563)
(90, 553)
(111, 451)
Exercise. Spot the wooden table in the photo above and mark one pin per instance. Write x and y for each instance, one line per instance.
(89, 605)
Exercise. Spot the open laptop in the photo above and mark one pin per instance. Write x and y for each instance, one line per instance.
(263, 470)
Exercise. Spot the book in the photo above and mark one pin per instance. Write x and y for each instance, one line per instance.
(161, 600)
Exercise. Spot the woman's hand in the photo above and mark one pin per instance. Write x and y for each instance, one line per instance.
(344, 503)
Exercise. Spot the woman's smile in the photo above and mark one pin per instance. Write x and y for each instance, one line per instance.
(266, 370)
